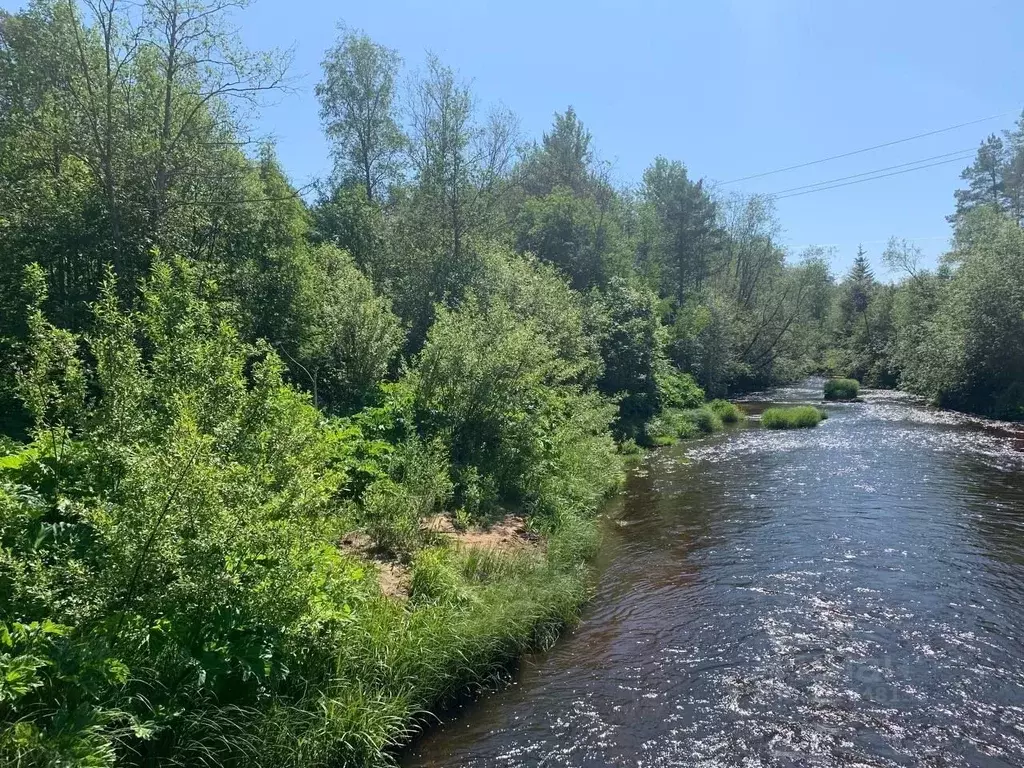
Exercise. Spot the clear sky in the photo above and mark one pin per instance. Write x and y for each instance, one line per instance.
(730, 87)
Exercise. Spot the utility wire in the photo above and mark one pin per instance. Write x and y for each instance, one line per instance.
(873, 178)
(961, 154)
(869, 149)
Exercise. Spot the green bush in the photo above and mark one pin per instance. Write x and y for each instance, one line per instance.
(704, 419)
(678, 390)
(729, 413)
(489, 385)
(841, 389)
(791, 417)
(674, 424)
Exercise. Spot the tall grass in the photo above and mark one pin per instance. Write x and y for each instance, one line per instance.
(791, 417)
(729, 413)
(682, 424)
(841, 389)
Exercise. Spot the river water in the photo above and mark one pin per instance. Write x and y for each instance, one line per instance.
(847, 595)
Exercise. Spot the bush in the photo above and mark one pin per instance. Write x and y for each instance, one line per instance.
(791, 417)
(841, 389)
(194, 572)
(704, 419)
(729, 413)
(678, 390)
(489, 385)
(674, 424)
(352, 338)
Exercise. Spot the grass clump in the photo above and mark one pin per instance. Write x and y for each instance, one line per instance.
(729, 413)
(842, 389)
(682, 424)
(704, 419)
(792, 417)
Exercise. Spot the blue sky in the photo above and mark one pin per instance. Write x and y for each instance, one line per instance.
(731, 88)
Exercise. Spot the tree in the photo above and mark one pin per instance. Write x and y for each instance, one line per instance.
(132, 118)
(962, 331)
(574, 234)
(631, 347)
(985, 179)
(459, 163)
(345, 217)
(563, 159)
(352, 339)
(860, 282)
(453, 210)
(1013, 172)
(358, 109)
(686, 234)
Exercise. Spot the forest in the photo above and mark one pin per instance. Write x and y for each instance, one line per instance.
(228, 405)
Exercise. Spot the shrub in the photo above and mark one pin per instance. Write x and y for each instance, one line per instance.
(841, 389)
(352, 338)
(518, 430)
(729, 413)
(193, 573)
(704, 419)
(674, 424)
(678, 390)
(791, 417)
(630, 334)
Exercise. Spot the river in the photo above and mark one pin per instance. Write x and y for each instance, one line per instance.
(847, 595)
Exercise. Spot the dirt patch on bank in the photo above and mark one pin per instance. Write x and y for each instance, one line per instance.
(510, 534)
(393, 576)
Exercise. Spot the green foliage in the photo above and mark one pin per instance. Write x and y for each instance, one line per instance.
(678, 390)
(353, 337)
(537, 292)
(842, 389)
(357, 105)
(191, 505)
(631, 339)
(417, 484)
(575, 234)
(729, 413)
(684, 228)
(791, 417)
(171, 581)
(490, 384)
(959, 333)
(705, 419)
(674, 424)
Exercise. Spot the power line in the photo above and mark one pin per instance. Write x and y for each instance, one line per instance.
(873, 178)
(869, 149)
(961, 154)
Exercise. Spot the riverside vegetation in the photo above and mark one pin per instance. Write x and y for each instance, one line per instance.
(230, 408)
(842, 389)
(792, 417)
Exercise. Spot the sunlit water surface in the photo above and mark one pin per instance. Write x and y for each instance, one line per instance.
(847, 595)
